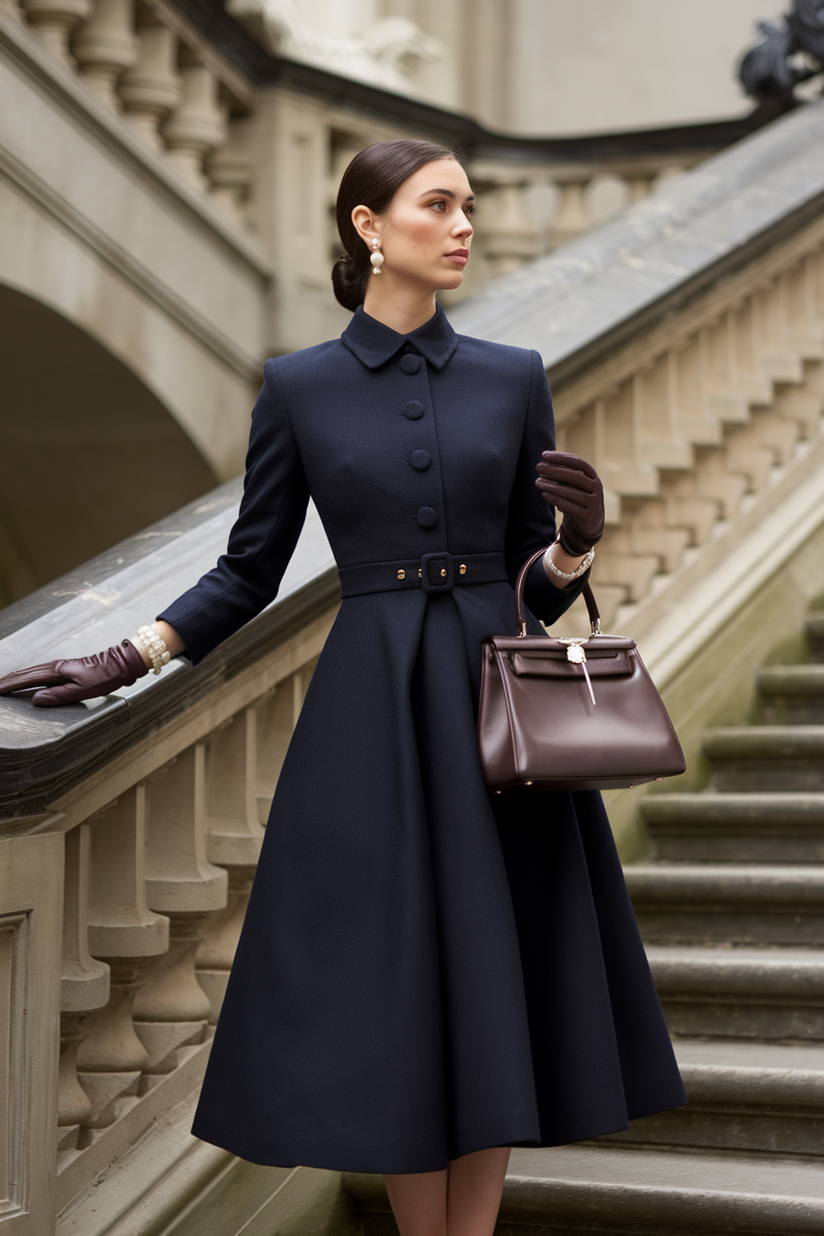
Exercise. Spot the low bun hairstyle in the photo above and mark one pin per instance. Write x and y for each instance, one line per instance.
(372, 179)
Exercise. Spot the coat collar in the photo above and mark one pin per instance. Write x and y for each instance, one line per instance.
(374, 344)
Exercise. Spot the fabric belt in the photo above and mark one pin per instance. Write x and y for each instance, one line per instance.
(432, 572)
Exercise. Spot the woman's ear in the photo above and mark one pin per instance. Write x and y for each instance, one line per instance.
(366, 224)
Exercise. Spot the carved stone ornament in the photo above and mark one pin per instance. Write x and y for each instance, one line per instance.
(386, 55)
(791, 52)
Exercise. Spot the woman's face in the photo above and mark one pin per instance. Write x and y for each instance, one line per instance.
(426, 231)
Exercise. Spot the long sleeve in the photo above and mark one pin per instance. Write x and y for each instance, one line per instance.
(263, 538)
(531, 520)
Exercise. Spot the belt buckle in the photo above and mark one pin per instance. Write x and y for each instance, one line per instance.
(437, 573)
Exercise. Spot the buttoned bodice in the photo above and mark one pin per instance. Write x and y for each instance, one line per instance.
(409, 445)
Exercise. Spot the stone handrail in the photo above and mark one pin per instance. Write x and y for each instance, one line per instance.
(140, 815)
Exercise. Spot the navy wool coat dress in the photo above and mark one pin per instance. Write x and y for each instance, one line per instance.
(425, 969)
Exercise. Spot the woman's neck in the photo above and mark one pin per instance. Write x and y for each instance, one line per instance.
(401, 309)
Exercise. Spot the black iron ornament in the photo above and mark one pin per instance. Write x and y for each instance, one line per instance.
(791, 52)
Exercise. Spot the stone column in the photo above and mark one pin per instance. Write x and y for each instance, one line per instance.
(572, 217)
(84, 987)
(12, 9)
(105, 46)
(172, 1009)
(150, 89)
(230, 175)
(124, 932)
(197, 126)
(235, 835)
(506, 236)
(53, 22)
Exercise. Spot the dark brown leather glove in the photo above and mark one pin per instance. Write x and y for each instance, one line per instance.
(574, 487)
(81, 678)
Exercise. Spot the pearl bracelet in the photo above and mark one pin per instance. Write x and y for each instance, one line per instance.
(156, 648)
(583, 566)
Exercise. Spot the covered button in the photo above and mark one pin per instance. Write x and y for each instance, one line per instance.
(410, 364)
(413, 410)
(427, 517)
(420, 460)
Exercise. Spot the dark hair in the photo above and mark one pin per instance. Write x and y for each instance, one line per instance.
(372, 179)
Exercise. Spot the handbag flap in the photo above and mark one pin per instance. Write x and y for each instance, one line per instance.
(555, 663)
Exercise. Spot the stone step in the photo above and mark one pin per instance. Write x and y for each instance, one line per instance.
(747, 1096)
(617, 1191)
(731, 904)
(791, 694)
(769, 993)
(734, 828)
(766, 757)
(814, 628)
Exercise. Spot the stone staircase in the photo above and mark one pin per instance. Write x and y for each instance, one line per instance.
(731, 907)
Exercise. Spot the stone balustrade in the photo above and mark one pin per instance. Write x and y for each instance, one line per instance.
(707, 419)
(528, 209)
(255, 146)
(146, 60)
(700, 400)
(151, 812)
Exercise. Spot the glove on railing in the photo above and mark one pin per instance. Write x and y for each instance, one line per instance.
(79, 678)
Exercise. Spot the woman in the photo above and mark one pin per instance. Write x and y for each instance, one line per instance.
(428, 974)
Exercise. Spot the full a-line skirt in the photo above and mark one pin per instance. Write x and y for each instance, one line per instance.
(426, 969)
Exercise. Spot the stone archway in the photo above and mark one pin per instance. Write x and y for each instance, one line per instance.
(88, 455)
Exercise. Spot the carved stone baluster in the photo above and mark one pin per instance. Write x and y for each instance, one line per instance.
(124, 932)
(506, 235)
(198, 124)
(235, 837)
(85, 986)
(572, 217)
(230, 175)
(12, 9)
(217, 950)
(53, 22)
(150, 89)
(172, 1009)
(277, 715)
(105, 46)
(639, 182)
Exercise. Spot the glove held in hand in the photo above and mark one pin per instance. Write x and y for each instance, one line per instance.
(80, 678)
(574, 487)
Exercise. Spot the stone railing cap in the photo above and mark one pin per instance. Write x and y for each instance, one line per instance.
(577, 304)
(102, 603)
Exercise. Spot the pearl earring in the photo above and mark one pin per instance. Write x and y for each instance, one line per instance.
(376, 257)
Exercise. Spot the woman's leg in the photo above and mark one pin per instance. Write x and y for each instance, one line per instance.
(462, 1201)
(476, 1182)
(418, 1201)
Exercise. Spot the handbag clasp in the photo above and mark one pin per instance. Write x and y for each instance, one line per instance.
(576, 654)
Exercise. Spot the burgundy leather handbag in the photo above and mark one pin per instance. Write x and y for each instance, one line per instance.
(570, 714)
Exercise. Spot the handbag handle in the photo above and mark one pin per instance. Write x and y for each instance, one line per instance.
(520, 612)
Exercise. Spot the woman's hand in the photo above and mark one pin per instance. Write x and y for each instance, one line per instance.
(79, 678)
(574, 487)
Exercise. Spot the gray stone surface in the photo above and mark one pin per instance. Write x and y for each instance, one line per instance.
(579, 302)
(104, 602)
(730, 828)
(766, 757)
